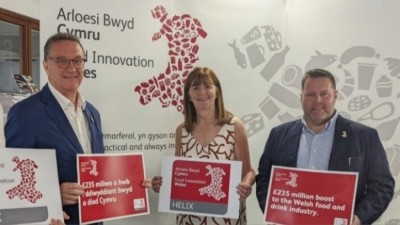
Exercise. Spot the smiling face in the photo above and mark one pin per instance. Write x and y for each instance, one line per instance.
(203, 95)
(318, 100)
(65, 80)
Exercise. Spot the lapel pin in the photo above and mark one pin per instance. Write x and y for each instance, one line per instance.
(344, 134)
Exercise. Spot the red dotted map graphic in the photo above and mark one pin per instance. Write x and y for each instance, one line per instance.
(26, 188)
(181, 33)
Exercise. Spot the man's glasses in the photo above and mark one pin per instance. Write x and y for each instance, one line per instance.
(64, 62)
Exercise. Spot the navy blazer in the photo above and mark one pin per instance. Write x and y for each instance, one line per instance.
(39, 122)
(359, 150)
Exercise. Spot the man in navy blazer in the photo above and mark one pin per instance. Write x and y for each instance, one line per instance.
(59, 118)
(324, 140)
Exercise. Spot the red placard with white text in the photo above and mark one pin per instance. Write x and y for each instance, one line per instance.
(302, 196)
(200, 187)
(112, 185)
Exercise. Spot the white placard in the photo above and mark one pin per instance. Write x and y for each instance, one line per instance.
(204, 187)
(29, 188)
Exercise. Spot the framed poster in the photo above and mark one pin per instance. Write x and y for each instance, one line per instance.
(112, 185)
(303, 196)
(200, 187)
(29, 188)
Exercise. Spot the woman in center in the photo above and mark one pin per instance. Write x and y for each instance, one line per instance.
(210, 131)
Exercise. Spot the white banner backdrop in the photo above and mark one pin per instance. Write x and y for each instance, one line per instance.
(139, 52)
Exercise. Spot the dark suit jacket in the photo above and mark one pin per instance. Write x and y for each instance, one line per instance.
(40, 122)
(361, 145)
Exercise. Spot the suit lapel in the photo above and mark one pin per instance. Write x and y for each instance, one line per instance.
(341, 151)
(56, 113)
(93, 128)
(293, 142)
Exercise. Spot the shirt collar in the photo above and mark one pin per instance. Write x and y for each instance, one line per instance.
(65, 102)
(330, 125)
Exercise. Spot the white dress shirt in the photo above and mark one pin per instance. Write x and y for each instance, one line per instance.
(76, 117)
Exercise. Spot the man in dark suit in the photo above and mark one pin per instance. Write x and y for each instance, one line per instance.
(324, 140)
(58, 117)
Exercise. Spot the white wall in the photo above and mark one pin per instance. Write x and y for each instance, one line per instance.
(352, 33)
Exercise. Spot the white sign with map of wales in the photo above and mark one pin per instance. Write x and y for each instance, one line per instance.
(204, 187)
(29, 190)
